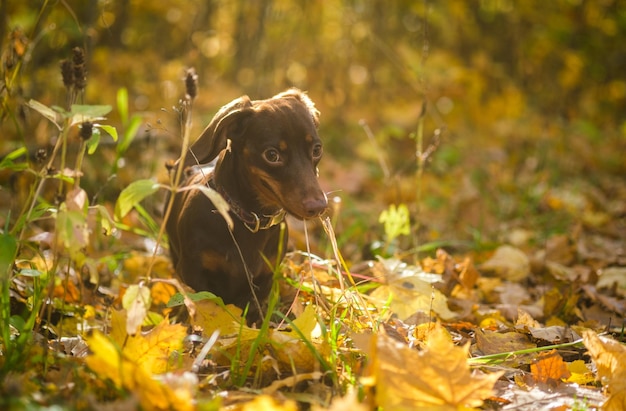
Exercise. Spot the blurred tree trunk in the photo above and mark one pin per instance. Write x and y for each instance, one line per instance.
(250, 32)
(121, 10)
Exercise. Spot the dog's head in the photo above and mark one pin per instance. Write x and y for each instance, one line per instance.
(274, 147)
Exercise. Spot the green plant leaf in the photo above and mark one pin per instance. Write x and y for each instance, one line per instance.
(30, 272)
(132, 195)
(82, 113)
(8, 251)
(107, 223)
(92, 143)
(122, 104)
(72, 230)
(90, 110)
(45, 111)
(8, 160)
(110, 130)
(129, 134)
(178, 299)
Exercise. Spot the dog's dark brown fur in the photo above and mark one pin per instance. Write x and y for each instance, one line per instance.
(271, 164)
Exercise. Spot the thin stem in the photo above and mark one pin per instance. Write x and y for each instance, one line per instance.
(499, 357)
(175, 182)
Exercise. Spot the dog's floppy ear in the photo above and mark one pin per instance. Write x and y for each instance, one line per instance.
(213, 138)
(303, 98)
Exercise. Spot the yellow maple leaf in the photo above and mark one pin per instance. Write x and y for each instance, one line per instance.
(155, 348)
(436, 378)
(105, 358)
(110, 363)
(610, 359)
(580, 374)
(213, 317)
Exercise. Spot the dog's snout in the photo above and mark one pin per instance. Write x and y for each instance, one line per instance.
(314, 206)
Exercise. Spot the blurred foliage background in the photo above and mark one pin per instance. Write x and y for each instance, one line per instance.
(523, 101)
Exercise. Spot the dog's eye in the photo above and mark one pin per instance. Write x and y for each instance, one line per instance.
(317, 151)
(272, 156)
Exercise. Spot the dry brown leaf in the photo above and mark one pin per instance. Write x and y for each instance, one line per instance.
(436, 378)
(410, 290)
(468, 273)
(613, 276)
(491, 342)
(525, 320)
(549, 368)
(610, 359)
(509, 263)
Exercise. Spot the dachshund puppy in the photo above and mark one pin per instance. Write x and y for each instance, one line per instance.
(265, 155)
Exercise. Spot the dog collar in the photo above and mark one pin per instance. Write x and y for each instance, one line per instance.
(251, 220)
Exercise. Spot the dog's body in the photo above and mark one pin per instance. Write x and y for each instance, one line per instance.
(269, 167)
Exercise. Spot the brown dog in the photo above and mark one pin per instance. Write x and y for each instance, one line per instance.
(269, 168)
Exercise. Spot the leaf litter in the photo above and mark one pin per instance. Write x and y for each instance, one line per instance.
(508, 333)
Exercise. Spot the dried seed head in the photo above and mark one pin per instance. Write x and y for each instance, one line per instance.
(41, 155)
(78, 63)
(86, 130)
(67, 73)
(191, 83)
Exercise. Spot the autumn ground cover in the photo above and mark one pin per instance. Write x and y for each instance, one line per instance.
(473, 256)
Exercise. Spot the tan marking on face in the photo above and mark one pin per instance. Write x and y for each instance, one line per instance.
(309, 138)
(268, 195)
(282, 145)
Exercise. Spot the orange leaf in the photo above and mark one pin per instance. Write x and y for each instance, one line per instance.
(161, 292)
(549, 368)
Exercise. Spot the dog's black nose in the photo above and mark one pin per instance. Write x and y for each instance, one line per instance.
(314, 206)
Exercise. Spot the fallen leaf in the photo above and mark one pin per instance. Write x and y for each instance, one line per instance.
(509, 263)
(554, 335)
(549, 368)
(491, 342)
(348, 402)
(580, 373)
(125, 372)
(610, 359)
(435, 378)
(613, 276)
(212, 316)
(289, 348)
(161, 292)
(155, 348)
(267, 403)
(410, 290)
(525, 320)
(136, 301)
